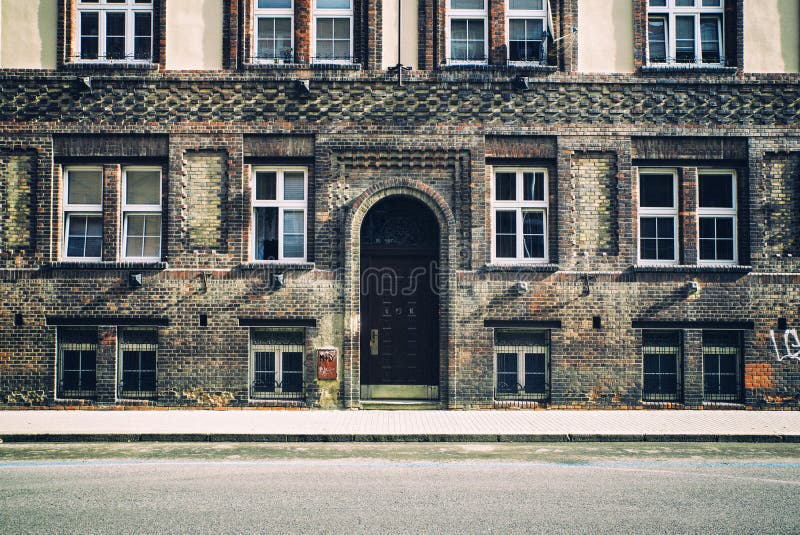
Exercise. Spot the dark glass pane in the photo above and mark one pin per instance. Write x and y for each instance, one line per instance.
(534, 186)
(666, 249)
(142, 24)
(89, 47)
(148, 382)
(725, 227)
(684, 39)
(728, 384)
(75, 246)
(709, 38)
(535, 383)
(88, 359)
(668, 363)
(130, 380)
(130, 360)
(651, 384)
(666, 227)
(292, 382)
(519, 337)
(274, 4)
(71, 360)
(725, 250)
(648, 227)
(656, 190)
(533, 222)
(264, 361)
(266, 233)
(292, 361)
(708, 250)
(115, 47)
(507, 383)
(266, 186)
(507, 363)
(650, 363)
(89, 35)
(711, 383)
(506, 186)
(669, 384)
(94, 247)
(535, 363)
(88, 380)
(506, 246)
(648, 249)
(707, 227)
(71, 380)
(534, 246)
(657, 43)
(716, 191)
(727, 364)
(115, 24)
(466, 4)
(148, 360)
(506, 222)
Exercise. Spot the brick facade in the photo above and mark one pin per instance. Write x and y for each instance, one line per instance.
(362, 138)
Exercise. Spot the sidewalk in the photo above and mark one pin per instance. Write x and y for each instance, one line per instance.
(378, 426)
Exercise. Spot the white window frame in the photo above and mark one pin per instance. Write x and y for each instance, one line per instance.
(282, 206)
(272, 13)
(669, 13)
(519, 206)
(101, 7)
(520, 14)
(467, 14)
(278, 351)
(322, 13)
(719, 212)
(658, 212)
(68, 210)
(121, 348)
(520, 351)
(141, 209)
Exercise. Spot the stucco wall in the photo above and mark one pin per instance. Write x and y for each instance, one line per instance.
(410, 35)
(28, 34)
(194, 34)
(772, 35)
(605, 36)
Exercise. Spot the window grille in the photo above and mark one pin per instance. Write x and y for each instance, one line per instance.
(138, 349)
(661, 359)
(722, 366)
(276, 363)
(77, 363)
(522, 364)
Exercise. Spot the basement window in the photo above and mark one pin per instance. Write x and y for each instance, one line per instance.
(522, 365)
(722, 366)
(77, 363)
(661, 365)
(138, 349)
(276, 363)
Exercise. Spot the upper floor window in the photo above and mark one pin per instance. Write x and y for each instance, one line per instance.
(83, 213)
(141, 213)
(467, 31)
(273, 21)
(332, 31)
(115, 30)
(716, 217)
(279, 213)
(526, 30)
(519, 215)
(685, 32)
(658, 216)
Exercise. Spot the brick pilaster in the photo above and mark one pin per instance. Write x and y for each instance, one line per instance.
(106, 364)
(693, 367)
(687, 215)
(111, 216)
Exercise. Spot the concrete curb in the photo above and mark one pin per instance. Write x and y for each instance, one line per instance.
(276, 438)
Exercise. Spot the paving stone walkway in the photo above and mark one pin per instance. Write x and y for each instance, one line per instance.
(394, 425)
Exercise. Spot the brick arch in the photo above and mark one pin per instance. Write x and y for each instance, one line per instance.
(359, 208)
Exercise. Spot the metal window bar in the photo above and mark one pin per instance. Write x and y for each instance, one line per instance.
(722, 377)
(82, 382)
(284, 54)
(137, 371)
(663, 380)
(322, 60)
(525, 375)
(277, 371)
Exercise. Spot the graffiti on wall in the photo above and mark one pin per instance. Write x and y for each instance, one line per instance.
(791, 345)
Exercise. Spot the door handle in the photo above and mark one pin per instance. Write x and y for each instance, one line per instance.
(373, 342)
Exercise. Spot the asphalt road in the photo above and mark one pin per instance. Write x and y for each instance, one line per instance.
(399, 488)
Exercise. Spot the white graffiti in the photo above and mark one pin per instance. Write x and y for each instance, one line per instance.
(791, 343)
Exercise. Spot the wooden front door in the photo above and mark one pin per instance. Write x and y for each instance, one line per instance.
(399, 301)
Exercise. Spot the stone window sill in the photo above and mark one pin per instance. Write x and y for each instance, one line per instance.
(500, 68)
(111, 67)
(278, 266)
(257, 66)
(144, 266)
(517, 268)
(724, 405)
(675, 268)
(689, 69)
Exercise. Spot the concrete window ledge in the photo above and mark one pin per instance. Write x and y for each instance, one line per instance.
(519, 268)
(689, 69)
(90, 68)
(724, 405)
(148, 266)
(692, 269)
(278, 266)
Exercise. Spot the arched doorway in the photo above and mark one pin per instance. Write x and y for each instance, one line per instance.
(399, 301)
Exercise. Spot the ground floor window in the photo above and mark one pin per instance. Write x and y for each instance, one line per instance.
(722, 366)
(276, 363)
(137, 363)
(522, 364)
(661, 363)
(77, 363)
